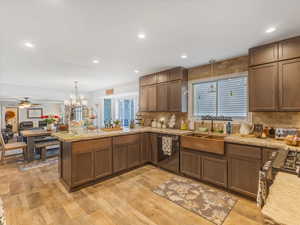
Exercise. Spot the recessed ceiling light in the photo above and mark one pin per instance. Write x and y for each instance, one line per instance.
(183, 56)
(141, 35)
(29, 44)
(271, 29)
(95, 61)
(136, 71)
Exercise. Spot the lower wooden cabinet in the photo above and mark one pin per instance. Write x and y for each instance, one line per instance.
(133, 155)
(120, 158)
(244, 164)
(145, 148)
(126, 152)
(190, 163)
(154, 148)
(103, 162)
(214, 170)
(82, 167)
(243, 174)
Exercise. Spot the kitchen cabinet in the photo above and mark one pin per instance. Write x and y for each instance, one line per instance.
(263, 54)
(134, 154)
(154, 148)
(244, 163)
(190, 163)
(214, 170)
(103, 159)
(263, 87)
(126, 152)
(145, 148)
(91, 159)
(148, 80)
(148, 98)
(289, 49)
(163, 77)
(162, 97)
(169, 94)
(289, 83)
(174, 96)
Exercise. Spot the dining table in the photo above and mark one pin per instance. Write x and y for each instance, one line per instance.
(32, 136)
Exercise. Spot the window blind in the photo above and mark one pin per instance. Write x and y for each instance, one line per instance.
(224, 97)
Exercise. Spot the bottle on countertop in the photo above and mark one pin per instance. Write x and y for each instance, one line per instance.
(229, 128)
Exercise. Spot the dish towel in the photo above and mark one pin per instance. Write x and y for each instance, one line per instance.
(167, 145)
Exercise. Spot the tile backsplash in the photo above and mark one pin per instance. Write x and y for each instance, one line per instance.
(277, 119)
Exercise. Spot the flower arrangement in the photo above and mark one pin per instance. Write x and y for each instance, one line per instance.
(50, 119)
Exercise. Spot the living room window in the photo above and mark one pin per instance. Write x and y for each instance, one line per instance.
(221, 97)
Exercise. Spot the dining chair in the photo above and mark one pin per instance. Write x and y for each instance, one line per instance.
(11, 146)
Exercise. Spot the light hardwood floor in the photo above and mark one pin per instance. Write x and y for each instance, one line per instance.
(36, 197)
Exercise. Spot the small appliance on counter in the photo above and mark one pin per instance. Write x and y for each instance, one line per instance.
(258, 130)
(282, 133)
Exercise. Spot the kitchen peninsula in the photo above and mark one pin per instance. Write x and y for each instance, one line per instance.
(95, 155)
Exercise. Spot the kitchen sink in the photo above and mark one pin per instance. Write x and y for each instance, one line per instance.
(204, 142)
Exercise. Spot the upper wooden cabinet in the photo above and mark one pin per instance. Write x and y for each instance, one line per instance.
(289, 48)
(148, 80)
(169, 94)
(274, 85)
(263, 88)
(148, 98)
(289, 85)
(263, 54)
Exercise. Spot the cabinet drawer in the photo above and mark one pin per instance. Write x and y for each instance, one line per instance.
(148, 80)
(243, 151)
(91, 145)
(263, 54)
(126, 139)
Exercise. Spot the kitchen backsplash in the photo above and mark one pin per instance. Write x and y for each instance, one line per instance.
(277, 119)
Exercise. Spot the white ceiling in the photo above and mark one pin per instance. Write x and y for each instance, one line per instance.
(69, 34)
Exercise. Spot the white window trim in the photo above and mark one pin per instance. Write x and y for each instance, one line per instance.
(209, 79)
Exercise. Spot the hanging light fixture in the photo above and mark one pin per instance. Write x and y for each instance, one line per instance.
(212, 88)
(76, 100)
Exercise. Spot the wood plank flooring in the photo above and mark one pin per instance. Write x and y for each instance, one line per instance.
(36, 197)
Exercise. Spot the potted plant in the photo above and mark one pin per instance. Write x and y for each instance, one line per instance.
(117, 123)
(50, 121)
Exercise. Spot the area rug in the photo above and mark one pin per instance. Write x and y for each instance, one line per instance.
(2, 218)
(208, 202)
(23, 166)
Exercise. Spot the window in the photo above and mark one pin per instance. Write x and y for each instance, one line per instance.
(122, 108)
(224, 97)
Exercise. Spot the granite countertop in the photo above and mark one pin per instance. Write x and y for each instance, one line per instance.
(283, 202)
(267, 143)
(66, 137)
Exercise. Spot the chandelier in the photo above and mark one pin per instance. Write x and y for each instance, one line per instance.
(76, 100)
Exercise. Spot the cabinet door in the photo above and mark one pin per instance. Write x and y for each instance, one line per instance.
(103, 162)
(267, 153)
(174, 96)
(214, 170)
(82, 167)
(162, 97)
(119, 158)
(263, 88)
(243, 175)
(163, 77)
(133, 155)
(263, 54)
(151, 98)
(154, 148)
(145, 148)
(289, 49)
(143, 99)
(190, 164)
(289, 85)
(148, 80)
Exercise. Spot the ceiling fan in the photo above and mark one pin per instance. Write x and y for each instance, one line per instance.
(25, 103)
